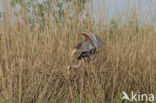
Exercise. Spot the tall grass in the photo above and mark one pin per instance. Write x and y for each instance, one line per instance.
(34, 60)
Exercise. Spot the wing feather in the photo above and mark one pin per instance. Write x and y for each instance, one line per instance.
(86, 36)
(87, 46)
(93, 39)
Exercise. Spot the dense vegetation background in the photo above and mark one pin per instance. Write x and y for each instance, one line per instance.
(36, 40)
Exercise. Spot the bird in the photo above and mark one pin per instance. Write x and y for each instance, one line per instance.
(87, 47)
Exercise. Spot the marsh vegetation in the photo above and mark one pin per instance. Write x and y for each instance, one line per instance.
(36, 41)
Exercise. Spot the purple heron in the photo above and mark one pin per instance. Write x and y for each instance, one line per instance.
(87, 47)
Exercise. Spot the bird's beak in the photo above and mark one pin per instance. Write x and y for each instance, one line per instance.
(73, 52)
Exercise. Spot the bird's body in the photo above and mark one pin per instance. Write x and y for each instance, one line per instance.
(88, 46)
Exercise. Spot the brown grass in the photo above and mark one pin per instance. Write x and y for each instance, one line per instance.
(33, 62)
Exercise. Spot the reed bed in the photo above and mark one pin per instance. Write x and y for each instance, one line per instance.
(34, 58)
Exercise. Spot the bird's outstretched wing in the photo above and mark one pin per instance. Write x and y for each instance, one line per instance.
(86, 36)
(93, 40)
